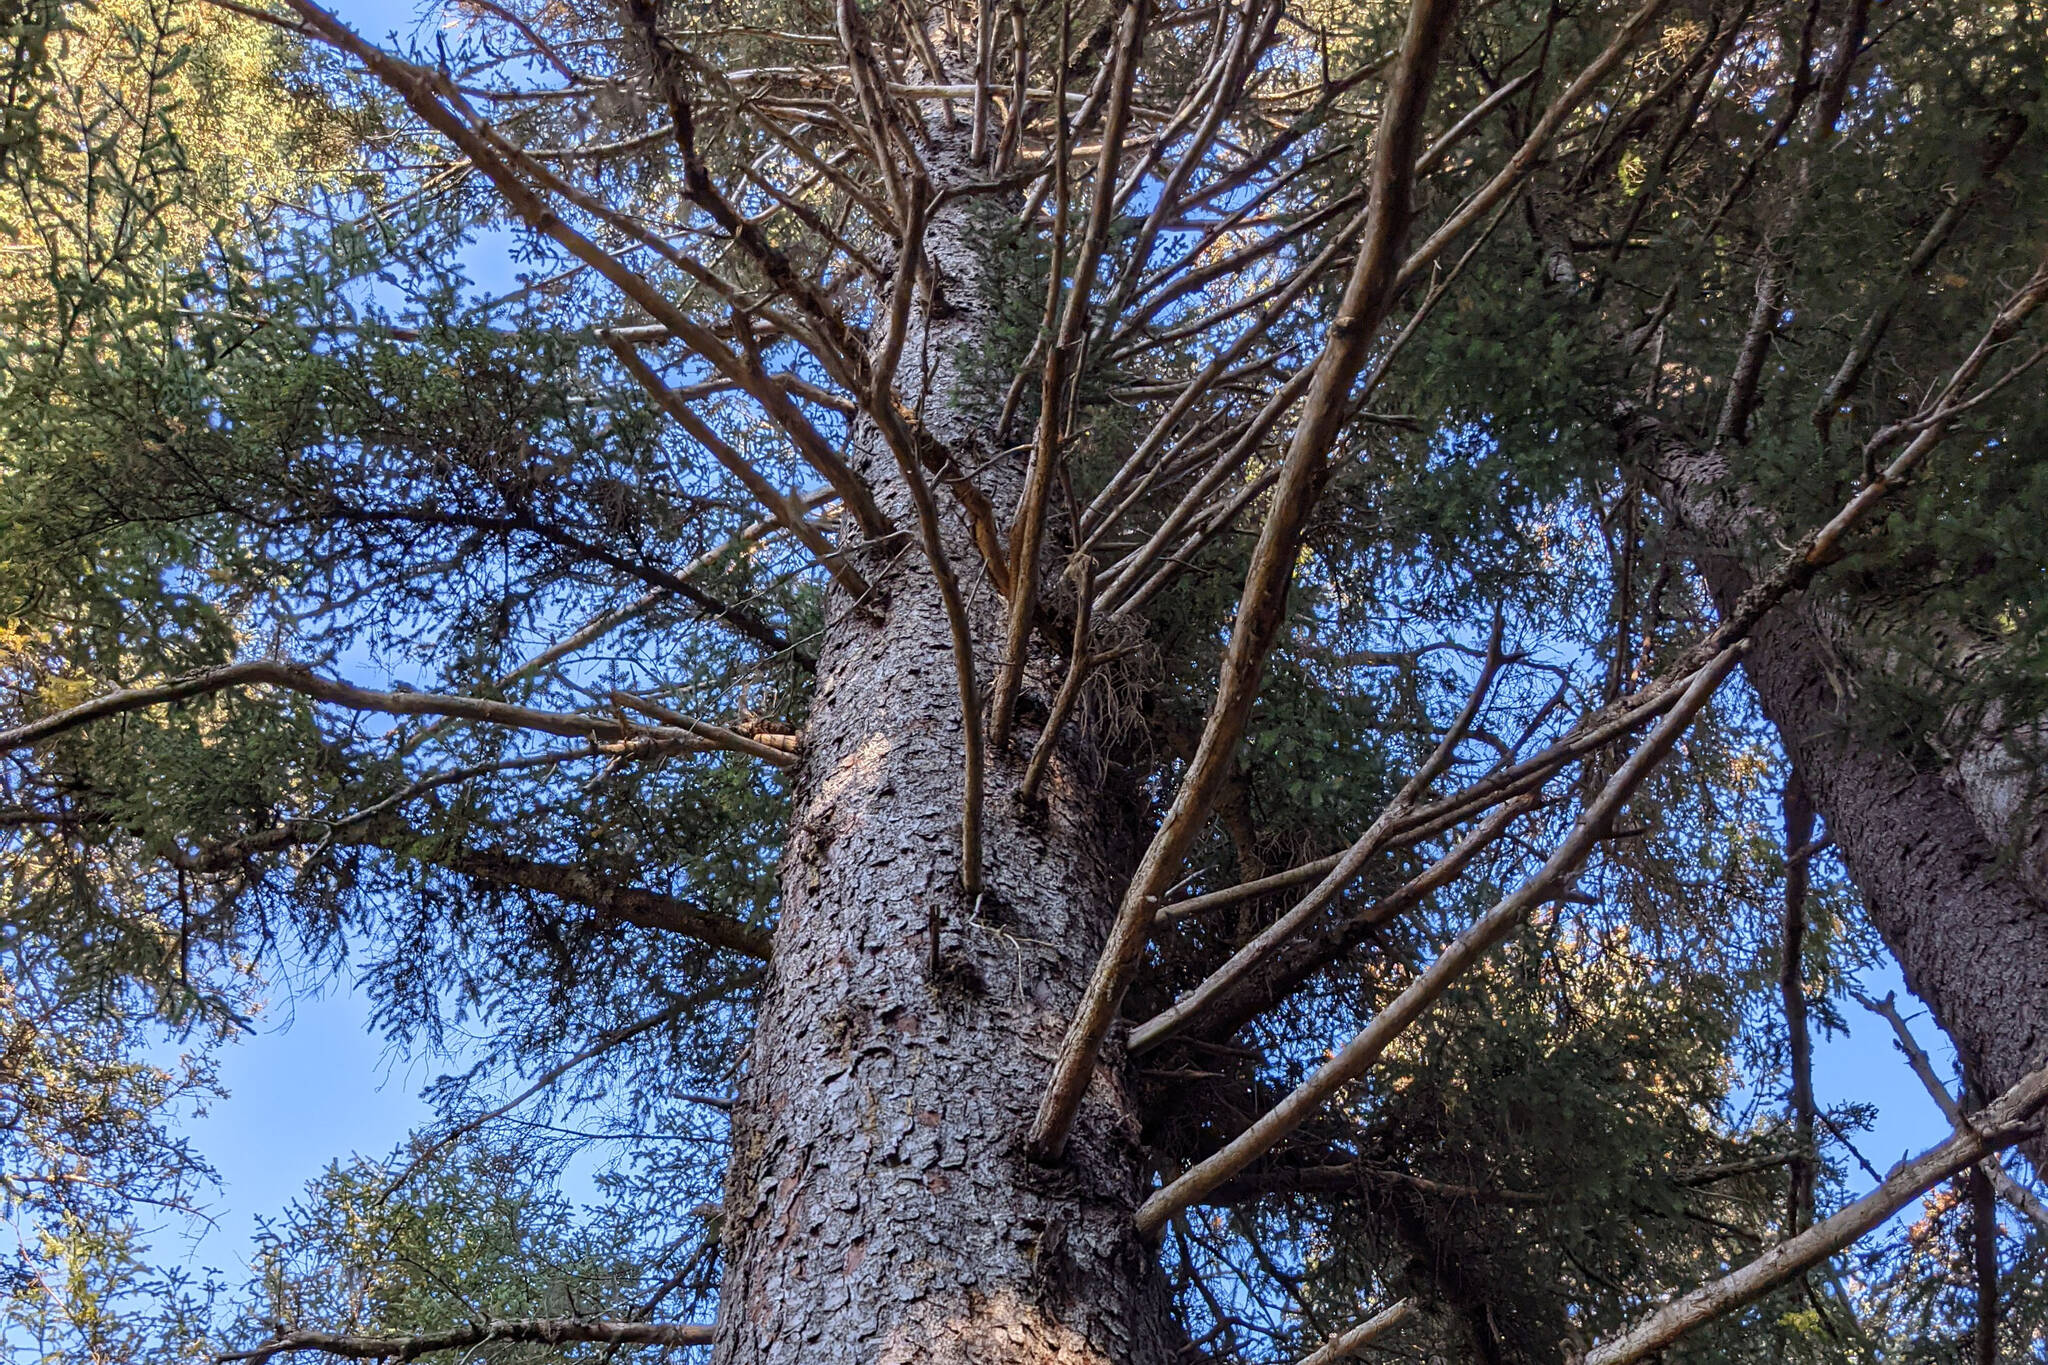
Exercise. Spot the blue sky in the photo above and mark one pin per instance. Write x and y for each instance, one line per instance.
(313, 1084)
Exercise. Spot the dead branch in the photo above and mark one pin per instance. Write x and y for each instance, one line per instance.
(2008, 1121)
(1263, 603)
(2014, 1193)
(1362, 1052)
(1353, 1340)
(539, 1331)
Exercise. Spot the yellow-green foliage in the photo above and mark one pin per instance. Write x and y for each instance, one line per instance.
(163, 124)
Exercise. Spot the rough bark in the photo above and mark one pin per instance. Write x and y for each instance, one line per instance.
(1948, 863)
(879, 1205)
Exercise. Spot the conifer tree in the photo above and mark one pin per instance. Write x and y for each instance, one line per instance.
(1090, 681)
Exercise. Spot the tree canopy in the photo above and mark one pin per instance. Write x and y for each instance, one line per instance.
(1478, 523)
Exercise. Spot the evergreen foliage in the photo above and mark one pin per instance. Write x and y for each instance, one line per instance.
(270, 393)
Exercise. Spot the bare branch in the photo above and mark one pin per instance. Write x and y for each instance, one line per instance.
(1215, 97)
(1114, 595)
(2014, 1193)
(1111, 502)
(1349, 865)
(1263, 604)
(1359, 1055)
(1531, 151)
(1224, 989)
(785, 508)
(1079, 662)
(427, 92)
(1027, 529)
(1350, 1342)
(1472, 119)
(540, 1331)
(716, 734)
(871, 95)
(2008, 1121)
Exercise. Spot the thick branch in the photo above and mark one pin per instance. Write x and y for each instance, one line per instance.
(1263, 606)
(1344, 1345)
(537, 1331)
(296, 678)
(627, 904)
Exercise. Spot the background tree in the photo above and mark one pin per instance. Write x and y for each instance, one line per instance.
(1065, 669)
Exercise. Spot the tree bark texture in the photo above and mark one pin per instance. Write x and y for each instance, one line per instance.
(880, 1207)
(1949, 856)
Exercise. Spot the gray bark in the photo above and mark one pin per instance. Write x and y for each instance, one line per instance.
(1948, 855)
(880, 1207)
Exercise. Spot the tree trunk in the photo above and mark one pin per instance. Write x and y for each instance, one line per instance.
(879, 1206)
(1948, 865)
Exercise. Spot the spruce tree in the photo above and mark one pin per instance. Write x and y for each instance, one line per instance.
(1098, 681)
